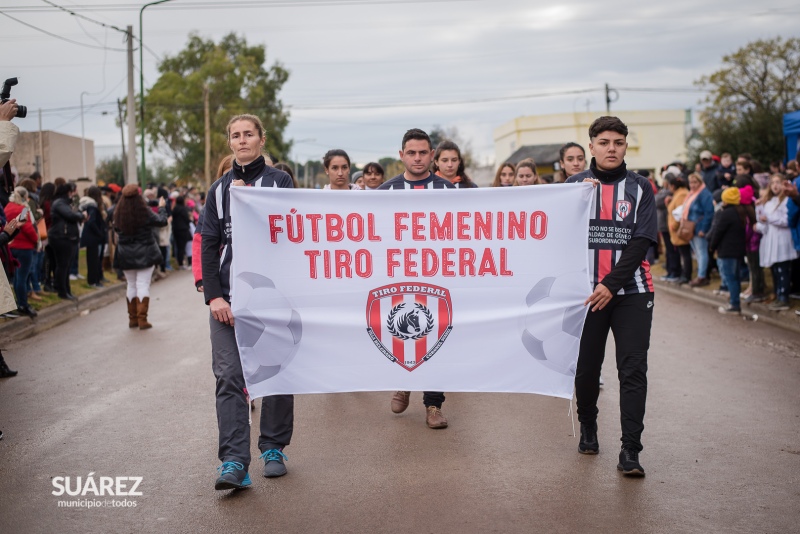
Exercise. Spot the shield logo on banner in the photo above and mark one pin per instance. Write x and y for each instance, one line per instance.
(409, 322)
(623, 208)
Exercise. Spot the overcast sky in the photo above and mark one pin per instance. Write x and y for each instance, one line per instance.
(416, 64)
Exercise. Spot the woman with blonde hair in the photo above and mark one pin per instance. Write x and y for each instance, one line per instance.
(23, 246)
(776, 249)
(137, 250)
(526, 173)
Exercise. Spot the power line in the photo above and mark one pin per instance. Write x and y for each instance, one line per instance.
(62, 38)
(442, 103)
(216, 4)
(103, 24)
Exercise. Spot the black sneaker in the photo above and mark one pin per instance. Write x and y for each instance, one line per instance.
(629, 463)
(232, 475)
(273, 463)
(588, 444)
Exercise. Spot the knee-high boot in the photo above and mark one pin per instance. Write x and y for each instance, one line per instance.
(144, 304)
(133, 313)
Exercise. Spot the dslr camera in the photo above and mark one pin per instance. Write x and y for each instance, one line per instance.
(5, 95)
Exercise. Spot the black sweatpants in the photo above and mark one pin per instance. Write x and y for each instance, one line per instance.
(629, 317)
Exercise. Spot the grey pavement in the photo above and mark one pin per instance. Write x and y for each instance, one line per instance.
(721, 439)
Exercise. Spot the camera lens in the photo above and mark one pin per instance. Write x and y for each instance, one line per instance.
(22, 111)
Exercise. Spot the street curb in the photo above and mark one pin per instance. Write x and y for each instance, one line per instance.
(60, 313)
(763, 314)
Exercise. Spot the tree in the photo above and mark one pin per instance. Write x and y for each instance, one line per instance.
(109, 171)
(748, 97)
(237, 83)
(439, 134)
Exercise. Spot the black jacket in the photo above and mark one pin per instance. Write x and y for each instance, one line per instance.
(180, 222)
(140, 249)
(727, 233)
(95, 230)
(65, 221)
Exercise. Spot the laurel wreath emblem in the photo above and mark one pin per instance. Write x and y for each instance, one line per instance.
(390, 323)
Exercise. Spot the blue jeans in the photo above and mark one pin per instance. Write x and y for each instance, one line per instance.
(700, 249)
(729, 270)
(25, 259)
(36, 270)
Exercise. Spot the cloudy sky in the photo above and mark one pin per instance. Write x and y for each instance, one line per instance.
(364, 71)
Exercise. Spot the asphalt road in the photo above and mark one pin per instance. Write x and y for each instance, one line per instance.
(721, 440)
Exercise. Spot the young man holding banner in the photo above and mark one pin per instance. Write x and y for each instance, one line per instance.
(245, 138)
(622, 229)
(417, 156)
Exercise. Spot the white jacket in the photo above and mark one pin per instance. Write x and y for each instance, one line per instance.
(776, 243)
(8, 138)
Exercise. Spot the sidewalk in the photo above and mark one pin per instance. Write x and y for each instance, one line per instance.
(754, 312)
(61, 312)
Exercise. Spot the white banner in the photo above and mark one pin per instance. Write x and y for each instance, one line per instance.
(428, 290)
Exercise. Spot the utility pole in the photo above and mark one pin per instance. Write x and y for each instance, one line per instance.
(122, 137)
(307, 177)
(610, 99)
(141, 78)
(83, 137)
(41, 148)
(130, 162)
(207, 170)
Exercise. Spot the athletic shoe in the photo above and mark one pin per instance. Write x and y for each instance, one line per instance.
(779, 305)
(722, 292)
(73, 277)
(589, 443)
(729, 310)
(699, 282)
(232, 475)
(683, 281)
(629, 463)
(795, 296)
(400, 401)
(601, 382)
(273, 463)
(754, 298)
(435, 418)
(672, 279)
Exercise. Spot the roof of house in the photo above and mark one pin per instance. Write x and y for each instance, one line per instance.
(541, 154)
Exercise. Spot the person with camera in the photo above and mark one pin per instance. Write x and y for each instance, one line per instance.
(8, 138)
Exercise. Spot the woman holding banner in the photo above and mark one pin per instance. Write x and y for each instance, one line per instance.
(245, 135)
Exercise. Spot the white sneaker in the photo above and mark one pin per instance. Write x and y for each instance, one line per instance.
(73, 277)
(601, 381)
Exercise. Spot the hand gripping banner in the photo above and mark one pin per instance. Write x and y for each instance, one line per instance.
(437, 290)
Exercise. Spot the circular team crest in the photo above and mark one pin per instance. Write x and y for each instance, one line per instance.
(406, 322)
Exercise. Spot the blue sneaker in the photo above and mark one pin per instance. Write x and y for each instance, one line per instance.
(232, 475)
(273, 463)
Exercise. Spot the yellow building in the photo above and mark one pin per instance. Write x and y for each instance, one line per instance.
(655, 137)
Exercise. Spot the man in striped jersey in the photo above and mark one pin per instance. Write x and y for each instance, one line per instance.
(417, 156)
(245, 138)
(621, 229)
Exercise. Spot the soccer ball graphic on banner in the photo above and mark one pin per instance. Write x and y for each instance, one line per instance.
(552, 333)
(268, 329)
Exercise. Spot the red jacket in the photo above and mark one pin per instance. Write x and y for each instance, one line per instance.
(28, 235)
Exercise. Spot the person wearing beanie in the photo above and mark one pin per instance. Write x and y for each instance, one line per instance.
(757, 287)
(728, 238)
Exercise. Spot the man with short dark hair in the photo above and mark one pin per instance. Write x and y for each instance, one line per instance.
(622, 229)
(417, 155)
